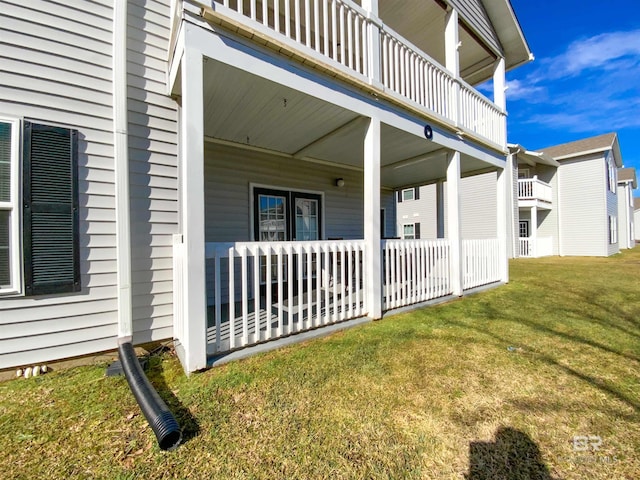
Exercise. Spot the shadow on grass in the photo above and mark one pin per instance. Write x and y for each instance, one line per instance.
(188, 423)
(512, 456)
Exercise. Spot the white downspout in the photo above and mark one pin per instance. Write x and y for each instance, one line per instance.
(121, 167)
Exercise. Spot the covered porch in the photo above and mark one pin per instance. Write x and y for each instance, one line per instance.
(287, 195)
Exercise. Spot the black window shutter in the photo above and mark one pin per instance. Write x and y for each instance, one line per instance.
(399, 192)
(416, 230)
(50, 210)
(416, 195)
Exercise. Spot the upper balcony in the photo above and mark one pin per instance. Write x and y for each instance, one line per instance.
(359, 45)
(534, 191)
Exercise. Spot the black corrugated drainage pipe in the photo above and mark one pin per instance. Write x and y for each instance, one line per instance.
(160, 418)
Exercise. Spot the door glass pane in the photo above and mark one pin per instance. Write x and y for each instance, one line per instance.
(273, 222)
(306, 219)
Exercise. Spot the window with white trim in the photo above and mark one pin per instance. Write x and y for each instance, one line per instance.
(611, 174)
(408, 194)
(39, 227)
(411, 231)
(613, 229)
(10, 270)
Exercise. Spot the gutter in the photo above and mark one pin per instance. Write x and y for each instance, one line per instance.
(157, 413)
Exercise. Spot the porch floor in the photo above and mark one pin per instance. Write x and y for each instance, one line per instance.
(279, 320)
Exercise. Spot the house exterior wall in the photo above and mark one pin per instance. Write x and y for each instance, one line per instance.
(478, 208)
(636, 224)
(582, 205)
(422, 211)
(230, 172)
(611, 199)
(57, 62)
(473, 12)
(625, 216)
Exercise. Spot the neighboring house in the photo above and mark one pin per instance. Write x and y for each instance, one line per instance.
(636, 218)
(587, 195)
(627, 183)
(535, 200)
(222, 173)
(568, 198)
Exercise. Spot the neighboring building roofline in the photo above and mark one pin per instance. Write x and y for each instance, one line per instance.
(628, 175)
(587, 146)
(532, 157)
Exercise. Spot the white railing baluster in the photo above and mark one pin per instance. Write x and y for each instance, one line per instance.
(245, 296)
(307, 23)
(276, 15)
(280, 276)
(342, 35)
(325, 27)
(290, 278)
(308, 322)
(287, 18)
(268, 300)
(265, 12)
(255, 256)
(334, 30)
(316, 25)
(232, 299)
(300, 280)
(349, 39)
(217, 298)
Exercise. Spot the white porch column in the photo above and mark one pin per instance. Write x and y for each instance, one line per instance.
(499, 85)
(440, 209)
(533, 234)
(453, 221)
(503, 214)
(373, 265)
(452, 59)
(499, 94)
(192, 212)
(373, 39)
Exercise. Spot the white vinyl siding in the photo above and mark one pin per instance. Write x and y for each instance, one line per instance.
(57, 70)
(56, 61)
(582, 207)
(475, 15)
(422, 210)
(153, 169)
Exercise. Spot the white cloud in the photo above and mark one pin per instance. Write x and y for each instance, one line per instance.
(599, 52)
(521, 90)
(595, 81)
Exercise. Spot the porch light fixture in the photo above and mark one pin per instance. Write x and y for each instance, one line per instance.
(340, 182)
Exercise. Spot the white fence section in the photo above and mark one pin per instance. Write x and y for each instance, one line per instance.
(340, 33)
(525, 247)
(534, 189)
(540, 247)
(414, 271)
(481, 262)
(260, 291)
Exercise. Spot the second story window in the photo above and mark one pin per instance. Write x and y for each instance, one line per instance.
(409, 194)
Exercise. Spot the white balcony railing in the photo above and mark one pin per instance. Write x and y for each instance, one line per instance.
(340, 34)
(261, 291)
(533, 248)
(264, 290)
(481, 262)
(414, 271)
(534, 189)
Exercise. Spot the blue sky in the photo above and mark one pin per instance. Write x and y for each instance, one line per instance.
(585, 79)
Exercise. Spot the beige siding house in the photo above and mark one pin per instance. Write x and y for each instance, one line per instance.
(222, 173)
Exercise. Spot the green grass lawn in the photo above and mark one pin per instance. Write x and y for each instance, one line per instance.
(510, 383)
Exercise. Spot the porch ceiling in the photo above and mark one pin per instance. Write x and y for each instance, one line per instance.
(246, 109)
